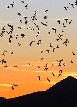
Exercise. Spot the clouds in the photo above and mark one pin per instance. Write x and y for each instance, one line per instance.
(6, 85)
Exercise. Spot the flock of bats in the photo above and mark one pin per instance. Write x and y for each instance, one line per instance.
(34, 18)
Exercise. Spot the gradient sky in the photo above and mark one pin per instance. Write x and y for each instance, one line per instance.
(25, 75)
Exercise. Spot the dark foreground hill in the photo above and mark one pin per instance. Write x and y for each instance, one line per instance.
(63, 94)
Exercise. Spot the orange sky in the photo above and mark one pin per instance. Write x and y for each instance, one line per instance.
(25, 76)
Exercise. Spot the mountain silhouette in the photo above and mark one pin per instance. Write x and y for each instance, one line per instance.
(62, 94)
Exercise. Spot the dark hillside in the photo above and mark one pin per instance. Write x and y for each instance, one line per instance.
(63, 94)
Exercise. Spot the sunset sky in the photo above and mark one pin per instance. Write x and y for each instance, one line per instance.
(27, 58)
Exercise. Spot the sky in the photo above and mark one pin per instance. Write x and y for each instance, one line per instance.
(24, 63)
